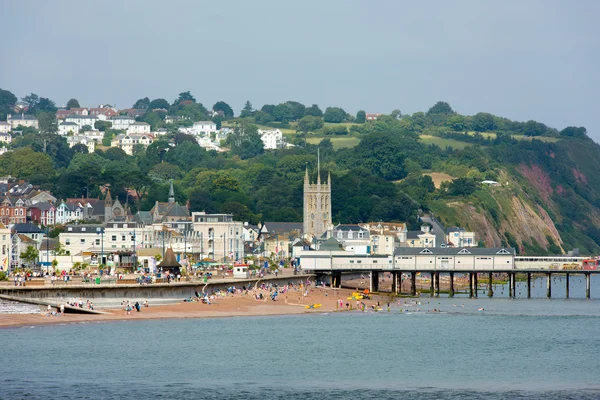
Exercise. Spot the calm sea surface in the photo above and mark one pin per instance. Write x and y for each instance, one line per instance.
(524, 349)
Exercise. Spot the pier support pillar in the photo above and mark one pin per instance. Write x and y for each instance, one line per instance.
(451, 292)
(490, 283)
(475, 284)
(470, 285)
(548, 285)
(394, 282)
(437, 284)
(529, 285)
(510, 285)
(587, 285)
(432, 285)
(567, 285)
(374, 281)
(513, 284)
(413, 283)
(336, 279)
(399, 281)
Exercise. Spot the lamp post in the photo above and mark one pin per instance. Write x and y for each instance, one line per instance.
(100, 231)
(47, 239)
(133, 236)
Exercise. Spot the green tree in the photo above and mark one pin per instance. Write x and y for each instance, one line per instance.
(164, 172)
(282, 113)
(47, 122)
(80, 148)
(361, 117)
(309, 124)
(456, 123)
(334, 114)
(245, 141)
(102, 126)
(396, 114)
(185, 96)
(483, 122)
(297, 110)
(247, 110)
(441, 107)
(142, 104)
(261, 117)
(86, 128)
(72, 103)
(462, 187)
(7, 102)
(27, 164)
(314, 111)
(108, 136)
(574, 131)
(223, 107)
(30, 255)
(31, 100)
(44, 104)
(158, 104)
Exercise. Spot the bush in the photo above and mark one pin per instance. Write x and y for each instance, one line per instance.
(3, 276)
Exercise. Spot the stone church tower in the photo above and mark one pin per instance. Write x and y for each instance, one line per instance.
(317, 205)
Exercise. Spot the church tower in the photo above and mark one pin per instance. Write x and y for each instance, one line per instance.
(108, 206)
(317, 204)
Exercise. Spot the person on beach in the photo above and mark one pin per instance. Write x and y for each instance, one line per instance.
(49, 313)
(62, 308)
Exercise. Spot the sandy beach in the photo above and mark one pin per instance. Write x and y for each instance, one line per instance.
(230, 306)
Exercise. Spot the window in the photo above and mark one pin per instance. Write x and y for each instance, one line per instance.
(360, 235)
(350, 235)
(83, 229)
(113, 238)
(123, 238)
(340, 234)
(68, 242)
(82, 241)
(97, 242)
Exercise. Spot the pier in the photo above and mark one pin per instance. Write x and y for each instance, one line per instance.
(436, 263)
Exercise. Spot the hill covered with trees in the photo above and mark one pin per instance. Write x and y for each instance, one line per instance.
(547, 200)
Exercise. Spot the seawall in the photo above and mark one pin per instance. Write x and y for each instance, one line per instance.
(100, 294)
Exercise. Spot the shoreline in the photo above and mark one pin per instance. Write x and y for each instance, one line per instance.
(237, 305)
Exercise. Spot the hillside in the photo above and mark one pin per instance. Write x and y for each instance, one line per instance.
(384, 168)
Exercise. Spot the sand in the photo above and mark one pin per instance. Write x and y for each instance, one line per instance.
(232, 306)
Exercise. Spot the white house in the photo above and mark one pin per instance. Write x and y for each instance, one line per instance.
(66, 128)
(460, 237)
(206, 143)
(5, 127)
(204, 128)
(138, 128)
(80, 139)
(272, 139)
(5, 138)
(66, 213)
(5, 247)
(22, 120)
(82, 120)
(121, 122)
(127, 142)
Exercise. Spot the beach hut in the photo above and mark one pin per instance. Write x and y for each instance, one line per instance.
(170, 263)
(240, 271)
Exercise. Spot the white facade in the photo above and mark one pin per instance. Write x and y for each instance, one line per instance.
(22, 120)
(82, 120)
(272, 139)
(66, 128)
(121, 122)
(220, 237)
(5, 247)
(139, 128)
(5, 127)
(127, 142)
(204, 128)
(66, 213)
(5, 138)
(460, 238)
(88, 142)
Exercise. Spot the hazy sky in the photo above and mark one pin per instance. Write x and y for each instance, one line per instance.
(518, 59)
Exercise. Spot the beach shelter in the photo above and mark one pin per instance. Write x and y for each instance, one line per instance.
(170, 263)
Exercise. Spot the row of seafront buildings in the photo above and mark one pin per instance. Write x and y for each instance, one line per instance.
(78, 125)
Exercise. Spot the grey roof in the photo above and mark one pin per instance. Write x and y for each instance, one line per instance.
(145, 217)
(350, 227)
(413, 234)
(87, 228)
(77, 116)
(452, 251)
(26, 228)
(49, 244)
(122, 117)
(177, 211)
(44, 206)
(455, 229)
(22, 117)
(69, 123)
(282, 228)
(330, 244)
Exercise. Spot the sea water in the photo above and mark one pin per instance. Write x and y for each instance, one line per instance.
(528, 349)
